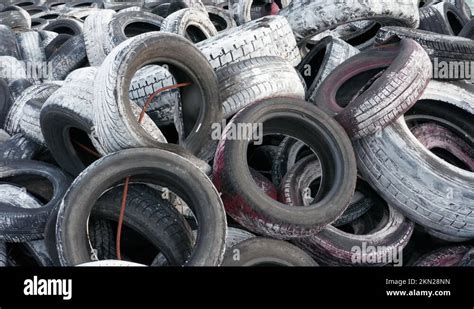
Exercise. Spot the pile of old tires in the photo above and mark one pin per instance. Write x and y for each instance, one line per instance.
(236, 133)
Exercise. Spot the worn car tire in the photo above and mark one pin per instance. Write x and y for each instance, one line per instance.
(177, 174)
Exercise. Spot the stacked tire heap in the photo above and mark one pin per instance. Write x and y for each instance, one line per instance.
(124, 142)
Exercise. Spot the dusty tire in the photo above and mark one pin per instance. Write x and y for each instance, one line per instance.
(182, 177)
(407, 73)
(9, 45)
(268, 36)
(323, 58)
(260, 251)
(15, 17)
(30, 121)
(222, 19)
(116, 121)
(256, 211)
(95, 28)
(308, 18)
(125, 25)
(69, 57)
(193, 24)
(256, 79)
(387, 161)
(18, 147)
(21, 224)
(30, 46)
(42, 91)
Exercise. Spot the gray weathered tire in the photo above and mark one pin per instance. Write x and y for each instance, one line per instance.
(267, 36)
(115, 118)
(425, 188)
(335, 247)
(174, 172)
(323, 58)
(30, 46)
(15, 17)
(309, 18)
(9, 45)
(222, 19)
(70, 56)
(18, 147)
(405, 70)
(259, 251)
(256, 79)
(193, 24)
(95, 28)
(30, 121)
(42, 91)
(125, 25)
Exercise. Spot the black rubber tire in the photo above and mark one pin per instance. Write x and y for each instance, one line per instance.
(387, 230)
(406, 72)
(18, 147)
(120, 28)
(256, 211)
(36, 250)
(435, 194)
(76, 4)
(222, 19)
(174, 172)
(442, 18)
(256, 79)
(47, 37)
(15, 17)
(3, 255)
(323, 58)
(67, 25)
(152, 217)
(5, 101)
(55, 44)
(69, 57)
(102, 238)
(304, 173)
(309, 18)
(22, 224)
(8, 39)
(289, 151)
(261, 251)
(113, 111)
(193, 24)
(38, 23)
(468, 30)
(440, 48)
(267, 36)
